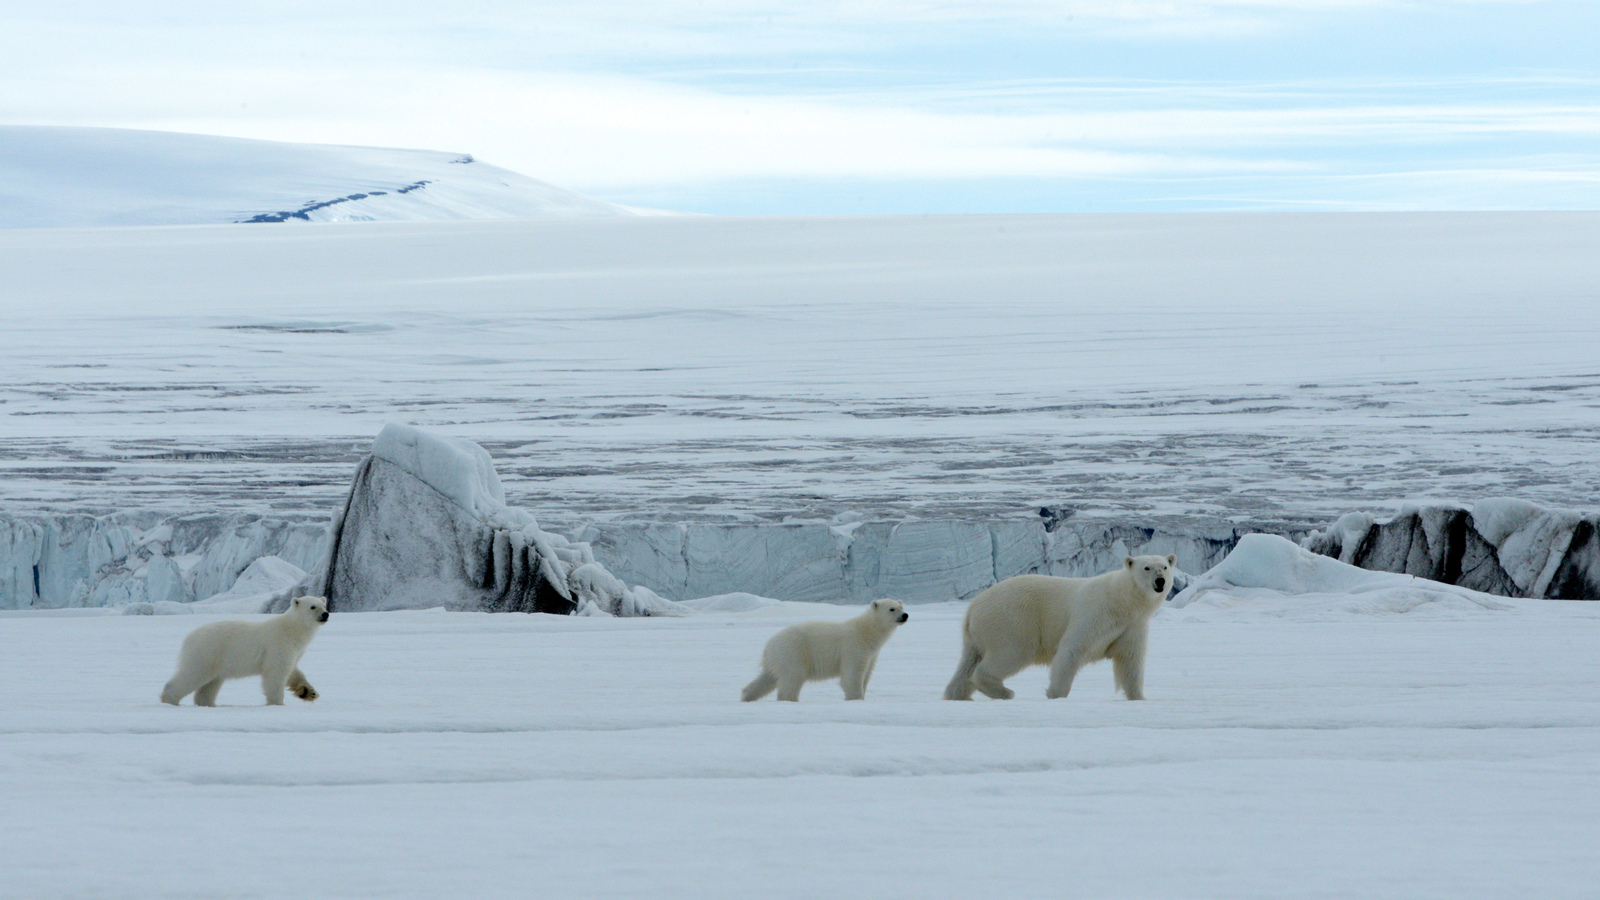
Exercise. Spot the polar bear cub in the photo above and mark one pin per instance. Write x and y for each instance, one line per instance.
(219, 651)
(1064, 623)
(818, 651)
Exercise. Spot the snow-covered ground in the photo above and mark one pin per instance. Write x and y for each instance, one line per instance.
(57, 176)
(1252, 367)
(1390, 745)
(1314, 736)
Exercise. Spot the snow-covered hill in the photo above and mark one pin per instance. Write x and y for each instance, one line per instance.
(52, 177)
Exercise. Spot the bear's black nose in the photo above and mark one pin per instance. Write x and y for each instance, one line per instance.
(905, 616)
(323, 618)
(1161, 584)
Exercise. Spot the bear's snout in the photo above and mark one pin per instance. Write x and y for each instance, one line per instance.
(1161, 585)
(905, 616)
(324, 616)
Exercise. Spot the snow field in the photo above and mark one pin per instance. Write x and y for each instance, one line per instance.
(1254, 367)
(1448, 751)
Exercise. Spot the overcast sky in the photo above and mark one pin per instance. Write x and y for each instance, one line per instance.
(910, 106)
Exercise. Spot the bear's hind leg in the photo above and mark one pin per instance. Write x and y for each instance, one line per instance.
(960, 686)
(1063, 669)
(759, 688)
(180, 686)
(996, 666)
(990, 685)
(789, 687)
(207, 694)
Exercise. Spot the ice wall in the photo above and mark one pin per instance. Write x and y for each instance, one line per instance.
(49, 562)
(1502, 546)
(426, 524)
(916, 560)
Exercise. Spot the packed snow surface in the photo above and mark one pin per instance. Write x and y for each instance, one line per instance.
(1249, 367)
(57, 176)
(1431, 750)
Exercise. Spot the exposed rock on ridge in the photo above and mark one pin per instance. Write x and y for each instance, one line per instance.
(1508, 547)
(425, 524)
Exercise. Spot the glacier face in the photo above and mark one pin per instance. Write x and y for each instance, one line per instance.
(425, 523)
(67, 561)
(98, 561)
(54, 562)
(915, 560)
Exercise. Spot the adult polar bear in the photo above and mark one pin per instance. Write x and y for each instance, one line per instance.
(816, 651)
(1064, 623)
(214, 653)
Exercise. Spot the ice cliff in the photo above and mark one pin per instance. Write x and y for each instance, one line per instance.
(425, 523)
(916, 560)
(141, 556)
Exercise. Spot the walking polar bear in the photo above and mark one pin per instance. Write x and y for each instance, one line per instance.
(1064, 623)
(818, 651)
(214, 653)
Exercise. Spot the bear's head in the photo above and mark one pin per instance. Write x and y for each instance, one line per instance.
(1153, 574)
(314, 609)
(891, 611)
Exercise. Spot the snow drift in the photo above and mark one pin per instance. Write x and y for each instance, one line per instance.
(1264, 569)
(56, 176)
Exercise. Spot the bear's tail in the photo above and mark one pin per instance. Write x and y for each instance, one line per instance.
(960, 686)
(762, 686)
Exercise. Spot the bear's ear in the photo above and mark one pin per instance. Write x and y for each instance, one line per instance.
(297, 601)
(1127, 561)
(877, 604)
(1172, 559)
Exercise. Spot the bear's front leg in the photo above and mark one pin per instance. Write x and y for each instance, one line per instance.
(274, 678)
(854, 681)
(300, 687)
(1127, 660)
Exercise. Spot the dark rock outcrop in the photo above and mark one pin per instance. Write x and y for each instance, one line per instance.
(426, 525)
(1507, 547)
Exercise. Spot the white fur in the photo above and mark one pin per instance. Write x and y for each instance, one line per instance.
(1064, 623)
(818, 651)
(219, 651)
